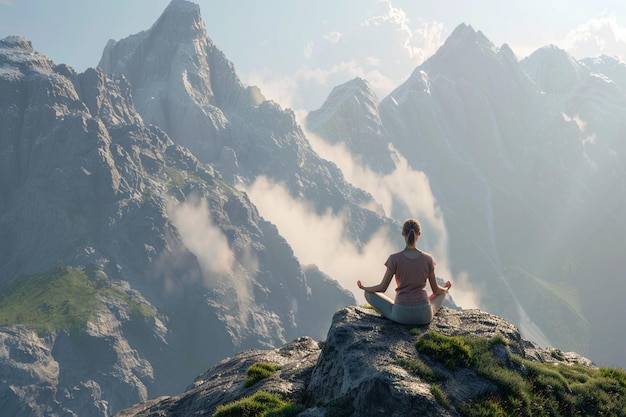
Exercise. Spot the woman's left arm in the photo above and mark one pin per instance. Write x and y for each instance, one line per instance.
(382, 287)
(434, 285)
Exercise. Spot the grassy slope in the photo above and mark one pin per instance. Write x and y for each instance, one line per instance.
(62, 299)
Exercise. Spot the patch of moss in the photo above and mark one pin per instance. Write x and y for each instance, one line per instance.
(260, 370)
(451, 351)
(62, 299)
(416, 331)
(418, 368)
(176, 178)
(261, 404)
(557, 354)
(439, 395)
(527, 388)
(179, 178)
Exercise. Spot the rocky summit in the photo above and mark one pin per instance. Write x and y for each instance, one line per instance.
(363, 369)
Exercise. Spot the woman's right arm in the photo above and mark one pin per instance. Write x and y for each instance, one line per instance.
(382, 287)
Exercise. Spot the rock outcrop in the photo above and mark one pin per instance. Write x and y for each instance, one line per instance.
(356, 368)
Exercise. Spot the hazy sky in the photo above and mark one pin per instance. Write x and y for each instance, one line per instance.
(296, 51)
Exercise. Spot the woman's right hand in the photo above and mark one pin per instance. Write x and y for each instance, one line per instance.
(360, 285)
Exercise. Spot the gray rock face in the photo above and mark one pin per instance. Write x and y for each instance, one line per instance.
(357, 365)
(350, 116)
(84, 183)
(183, 83)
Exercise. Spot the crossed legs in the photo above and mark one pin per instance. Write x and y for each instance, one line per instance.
(420, 314)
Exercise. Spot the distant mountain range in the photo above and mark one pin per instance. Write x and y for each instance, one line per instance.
(131, 259)
(526, 162)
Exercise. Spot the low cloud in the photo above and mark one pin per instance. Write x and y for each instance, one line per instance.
(403, 193)
(430, 36)
(320, 239)
(219, 266)
(205, 240)
(602, 33)
(309, 87)
(280, 88)
(397, 19)
(405, 45)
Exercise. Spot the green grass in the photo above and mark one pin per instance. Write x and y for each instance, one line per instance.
(557, 354)
(176, 178)
(260, 370)
(439, 395)
(418, 368)
(416, 331)
(526, 388)
(62, 299)
(453, 352)
(179, 178)
(261, 404)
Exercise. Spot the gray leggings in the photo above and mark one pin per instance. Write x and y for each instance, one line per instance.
(420, 314)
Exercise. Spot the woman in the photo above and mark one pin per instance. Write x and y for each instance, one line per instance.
(412, 269)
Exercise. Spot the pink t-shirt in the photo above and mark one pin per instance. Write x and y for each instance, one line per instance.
(411, 277)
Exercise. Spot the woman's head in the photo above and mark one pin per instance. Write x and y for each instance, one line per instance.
(411, 230)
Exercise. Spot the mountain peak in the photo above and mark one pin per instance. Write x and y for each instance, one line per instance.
(465, 34)
(360, 83)
(17, 55)
(464, 51)
(348, 90)
(184, 6)
(462, 30)
(608, 66)
(553, 69)
(349, 105)
(181, 20)
(17, 43)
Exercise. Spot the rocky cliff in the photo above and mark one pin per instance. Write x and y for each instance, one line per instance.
(126, 265)
(365, 367)
(183, 83)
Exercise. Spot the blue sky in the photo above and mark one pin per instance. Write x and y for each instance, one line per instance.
(296, 51)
